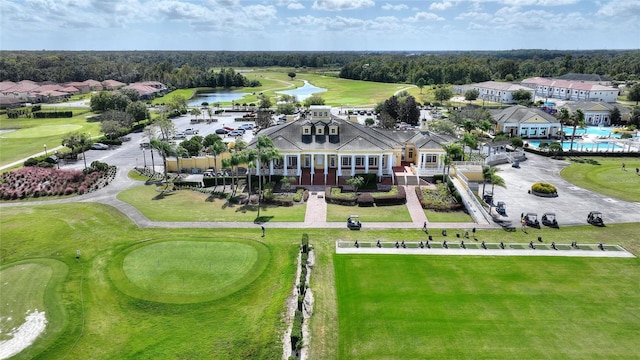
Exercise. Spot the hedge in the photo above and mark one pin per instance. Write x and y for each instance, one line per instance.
(397, 199)
(339, 200)
(53, 115)
(365, 200)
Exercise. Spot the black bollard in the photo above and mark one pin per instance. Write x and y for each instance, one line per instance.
(462, 245)
(484, 246)
(539, 238)
(444, 244)
(356, 244)
(430, 238)
(501, 245)
(378, 244)
(444, 232)
(428, 245)
(421, 245)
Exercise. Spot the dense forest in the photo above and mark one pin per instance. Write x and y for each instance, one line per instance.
(180, 69)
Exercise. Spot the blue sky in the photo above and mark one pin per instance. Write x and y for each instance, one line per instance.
(325, 25)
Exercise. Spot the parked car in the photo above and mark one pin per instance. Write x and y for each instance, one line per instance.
(191, 131)
(228, 128)
(99, 146)
(236, 133)
(180, 135)
(222, 131)
(246, 127)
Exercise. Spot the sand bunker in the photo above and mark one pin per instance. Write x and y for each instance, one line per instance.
(24, 335)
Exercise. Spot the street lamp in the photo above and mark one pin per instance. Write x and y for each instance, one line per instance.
(45, 150)
(57, 159)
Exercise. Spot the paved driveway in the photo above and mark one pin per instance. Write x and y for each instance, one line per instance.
(572, 204)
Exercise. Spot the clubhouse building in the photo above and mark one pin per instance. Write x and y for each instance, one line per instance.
(525, 122)
(571, 90)
(323, 149)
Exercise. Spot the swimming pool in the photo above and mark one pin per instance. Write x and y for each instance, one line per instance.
(592, 130)
(580, 145)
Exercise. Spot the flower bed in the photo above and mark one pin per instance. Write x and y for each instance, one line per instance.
(440, 199)
(36, 182)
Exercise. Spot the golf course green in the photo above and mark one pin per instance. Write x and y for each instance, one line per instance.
(188, 271)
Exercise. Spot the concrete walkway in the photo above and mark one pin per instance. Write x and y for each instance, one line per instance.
(457, 251)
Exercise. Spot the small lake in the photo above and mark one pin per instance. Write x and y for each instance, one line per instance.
(223, 96)
(303, 92)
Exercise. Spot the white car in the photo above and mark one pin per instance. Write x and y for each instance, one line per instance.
(99, 146)
(191, 131)
(180, 136)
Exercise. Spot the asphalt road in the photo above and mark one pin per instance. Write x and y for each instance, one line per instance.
(573, 203)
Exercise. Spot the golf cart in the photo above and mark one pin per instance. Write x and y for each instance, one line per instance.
(595, 218)
(549, 219)
(532, 220)
(501, 208)
(353, 222)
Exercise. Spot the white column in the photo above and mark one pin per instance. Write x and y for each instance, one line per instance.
(326, 167)
(339, 172)
(353, 165)
(258, 167)
(366, 163)
(380, 157)
(313, 163)
(271, 167)
(389, 163)
(419, 164)
(286, 164)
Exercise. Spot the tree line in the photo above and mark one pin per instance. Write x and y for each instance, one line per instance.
(181, 69)
(472, 67)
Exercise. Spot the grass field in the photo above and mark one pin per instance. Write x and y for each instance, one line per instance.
(605, 175)
(107, 323)
(420, 307)
(396, 213)
(28, 136)
(185, 205)
(448, 217)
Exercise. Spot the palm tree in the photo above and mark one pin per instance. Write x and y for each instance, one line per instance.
(165, 149)
(487, 173)
(196, 112)
(452, 151)
(215, 149)
(576, 119)
(470, 141)
(497, 180)
(264, 153)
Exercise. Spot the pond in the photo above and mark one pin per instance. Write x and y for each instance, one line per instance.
(303, 92)
(222, 96)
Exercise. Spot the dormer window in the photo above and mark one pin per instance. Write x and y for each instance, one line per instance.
(306, 130)
(333, 130)
(319, 130)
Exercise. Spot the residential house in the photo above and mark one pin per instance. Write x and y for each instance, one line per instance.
(112, 84)
(571, 90)
(596, 113)
(526, 122)
(500, 92)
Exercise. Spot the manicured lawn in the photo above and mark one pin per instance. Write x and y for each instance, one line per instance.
(188, 271)
(185, 93)
(410, 278)
(28, 136)
(605, 175)
(448, 217)
(187, 205)
(419, 307)
(396, 213)
(104, 323)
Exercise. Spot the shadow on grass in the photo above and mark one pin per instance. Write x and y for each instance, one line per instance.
(162, 195)
(262, 219)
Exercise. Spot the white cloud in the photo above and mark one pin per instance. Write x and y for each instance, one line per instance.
(479, 16)
(337, 5)
(620, 8)
(538, 2)
(440, 6)
(295, 6)
(397, 7)
(425, 16)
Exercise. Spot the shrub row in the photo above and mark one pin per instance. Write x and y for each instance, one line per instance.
(296, 330)
(334, 195)
(450, 201)
(53, 114)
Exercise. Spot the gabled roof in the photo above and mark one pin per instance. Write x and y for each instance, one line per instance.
(568, 84)
(522, 114)
(351, 137)
(501, 86)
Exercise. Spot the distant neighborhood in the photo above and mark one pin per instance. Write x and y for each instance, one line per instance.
(15, 94)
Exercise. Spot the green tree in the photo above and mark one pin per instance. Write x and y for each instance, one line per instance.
(195, 112)
(443, 126)
(286, 108)
(132, 94)
(356, 182)
(471, 141)
(138, 110)
(264, 102)
(555, 148)
(285, 183)
(313, 100)
(291, 75)
(369, 121)
(487, 174)
(634, 93)
(165, 149)
(263, 119)
(386, 121)
(517, 142)
(616, 117)
(264, 152)
(193, 146)
(443, 94)
(177, 104)
(111, 129)
(421, 83)
(521, 95)
(471, 95)
(577, 119)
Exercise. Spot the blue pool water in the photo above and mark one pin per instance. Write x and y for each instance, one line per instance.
(579, 145)
(592, 130)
